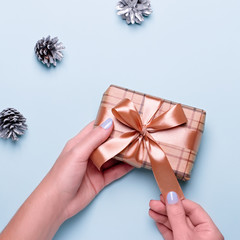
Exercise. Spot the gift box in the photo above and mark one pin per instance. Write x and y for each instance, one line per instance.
(150, 132)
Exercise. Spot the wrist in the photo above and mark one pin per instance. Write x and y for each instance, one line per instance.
(52, 198)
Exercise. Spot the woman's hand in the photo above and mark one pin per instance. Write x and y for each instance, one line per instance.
(78, 180)
(70, 186)
(182, 220)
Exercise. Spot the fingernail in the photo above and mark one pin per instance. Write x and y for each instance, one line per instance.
(172, 198)
(107, 124)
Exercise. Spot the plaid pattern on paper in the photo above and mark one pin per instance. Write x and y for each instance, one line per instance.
(181, 159)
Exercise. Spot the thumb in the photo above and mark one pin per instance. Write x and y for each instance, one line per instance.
(99, 135)
(93, 139)
(176, 214)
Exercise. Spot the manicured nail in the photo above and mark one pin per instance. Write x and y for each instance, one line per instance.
(107, 124)
(172, 198)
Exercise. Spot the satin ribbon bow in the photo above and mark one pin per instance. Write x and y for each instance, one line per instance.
(139, 141)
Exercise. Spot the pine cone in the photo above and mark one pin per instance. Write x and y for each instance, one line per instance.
(12, 124)
(48, 51)
(134, 11)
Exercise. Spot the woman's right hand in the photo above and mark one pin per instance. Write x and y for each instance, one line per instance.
(182, 220)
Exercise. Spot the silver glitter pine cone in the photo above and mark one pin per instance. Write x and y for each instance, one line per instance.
(12, 124)
(48, 51)
(134, 11)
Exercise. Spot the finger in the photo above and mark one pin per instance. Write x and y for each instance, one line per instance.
(79, 137)
(162, 199)
(116, 172)
(94, 138)
(176, 214)
(159, 218)
(158, 206)
(166, 232)
(195, 212)
(189, 223)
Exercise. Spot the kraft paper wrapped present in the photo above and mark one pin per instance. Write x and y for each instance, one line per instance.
(150, 132)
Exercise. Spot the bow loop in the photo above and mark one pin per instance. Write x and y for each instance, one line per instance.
(126, 113)
(170, 119)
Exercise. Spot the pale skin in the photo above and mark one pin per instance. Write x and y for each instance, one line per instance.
(184, 220)
(73, 182)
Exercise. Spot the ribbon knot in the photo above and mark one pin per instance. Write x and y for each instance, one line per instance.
(140, 141)
(144, 131)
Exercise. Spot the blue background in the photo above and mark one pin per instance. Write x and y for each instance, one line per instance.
(186, 51)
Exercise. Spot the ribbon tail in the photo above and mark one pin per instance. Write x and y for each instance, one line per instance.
(111, 148)
(162, 171)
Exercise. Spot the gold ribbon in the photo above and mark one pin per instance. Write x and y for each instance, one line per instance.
(139, 141)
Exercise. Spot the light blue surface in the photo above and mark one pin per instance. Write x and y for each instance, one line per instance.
(186, 51)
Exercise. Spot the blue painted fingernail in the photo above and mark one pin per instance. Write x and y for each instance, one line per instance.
(172, 198)
(107, 124)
